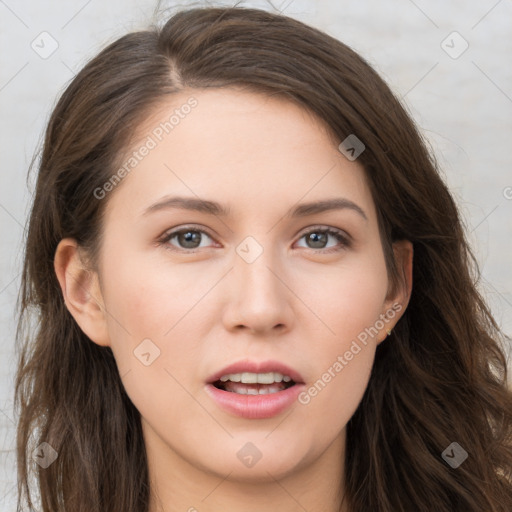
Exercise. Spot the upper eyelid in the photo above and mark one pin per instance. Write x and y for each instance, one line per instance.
(174, 231)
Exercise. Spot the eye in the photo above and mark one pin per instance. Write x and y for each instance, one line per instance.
(318, 238)
(186, 238)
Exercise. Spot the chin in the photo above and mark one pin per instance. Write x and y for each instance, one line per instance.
(252, 464)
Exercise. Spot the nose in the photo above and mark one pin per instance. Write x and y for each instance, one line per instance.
(258, 296)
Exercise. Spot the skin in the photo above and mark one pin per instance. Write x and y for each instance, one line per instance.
(295, 303)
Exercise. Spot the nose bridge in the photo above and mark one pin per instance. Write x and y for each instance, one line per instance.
(254, 262)
(260, 300)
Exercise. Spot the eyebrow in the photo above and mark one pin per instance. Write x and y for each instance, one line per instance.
(214, 208)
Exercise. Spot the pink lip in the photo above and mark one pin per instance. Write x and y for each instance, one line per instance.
(255, 406)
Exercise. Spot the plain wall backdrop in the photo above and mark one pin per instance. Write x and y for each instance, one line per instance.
(449, 61)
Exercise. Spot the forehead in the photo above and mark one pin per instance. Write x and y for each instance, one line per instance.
(242, 146)
(220, 110)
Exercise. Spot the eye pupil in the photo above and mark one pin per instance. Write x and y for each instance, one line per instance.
(188, 236)
(318, 238)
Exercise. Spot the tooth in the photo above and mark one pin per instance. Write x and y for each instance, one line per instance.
(249, 378)
(266, 378)
(269, 389)
(255, 378)
(274, 388)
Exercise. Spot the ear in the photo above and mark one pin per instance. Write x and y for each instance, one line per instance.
(81, 291)
(397, 299)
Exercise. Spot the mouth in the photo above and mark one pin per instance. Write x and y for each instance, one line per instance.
(248, 383)
(254, 390)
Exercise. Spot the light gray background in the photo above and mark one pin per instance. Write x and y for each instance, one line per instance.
(463, 105)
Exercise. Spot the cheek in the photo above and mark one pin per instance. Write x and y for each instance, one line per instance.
(348, 297)
(150, 320)
(332, 399)
(147, 300)
(343, 362)
(155, 320)
(350, 302)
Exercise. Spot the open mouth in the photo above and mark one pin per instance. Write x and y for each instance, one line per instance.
(254, 383)
(252, 390)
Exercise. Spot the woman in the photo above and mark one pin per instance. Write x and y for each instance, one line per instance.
(253, 287)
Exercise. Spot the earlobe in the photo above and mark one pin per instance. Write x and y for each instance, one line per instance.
(81, 291)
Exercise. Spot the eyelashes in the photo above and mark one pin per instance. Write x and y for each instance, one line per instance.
(188, 234)
(341, 237)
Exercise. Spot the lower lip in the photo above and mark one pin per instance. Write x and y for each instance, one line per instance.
(255, 407)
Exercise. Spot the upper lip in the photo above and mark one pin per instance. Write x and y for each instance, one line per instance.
(257, 367)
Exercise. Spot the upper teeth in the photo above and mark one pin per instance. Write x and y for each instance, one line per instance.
(256, 378)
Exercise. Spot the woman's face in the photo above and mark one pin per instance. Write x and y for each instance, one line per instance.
(247, 295)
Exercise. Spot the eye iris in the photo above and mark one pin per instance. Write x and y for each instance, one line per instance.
(316, 238)
(189, 236)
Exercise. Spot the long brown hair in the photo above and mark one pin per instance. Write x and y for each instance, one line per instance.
(440, 377)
